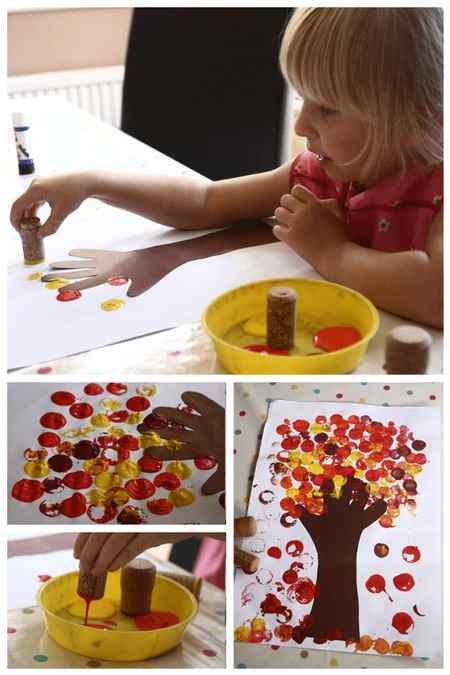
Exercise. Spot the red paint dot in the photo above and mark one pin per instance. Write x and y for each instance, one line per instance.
(336, 337)
(81, 410)
(140, 488)
(102, 514)
(128, 443)
(205, 462)
(44, 577)
(403, 623)
(50, 509)
(117, 388)
(26, 490)
(411, 554)
(60, 463)
(290, 577)
(86, 450)
(339, 395)
(274, 552)
(386, 387)
(118, 416)
(74, 506)
(11, 631)
(93, 389)
(294, 548)
(68, 296)
(404, 582)
(78, 480)
(53, 420)
(45, 370)
(432, 397)
(160, 507)
(52, 485)
(131, 515)
(150, 464)
(63, 398)
(242, 413)
(376, 584)
(138, 403)
(118, 281)
(49, 439)
(209, 652)
(168, 481)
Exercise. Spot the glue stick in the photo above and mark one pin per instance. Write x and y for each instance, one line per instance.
(24, 156)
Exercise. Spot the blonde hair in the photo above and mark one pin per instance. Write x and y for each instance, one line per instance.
(382, 64)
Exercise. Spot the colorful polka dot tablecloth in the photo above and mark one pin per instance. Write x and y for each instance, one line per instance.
(82, 453)
(251, 403)
(29, 645)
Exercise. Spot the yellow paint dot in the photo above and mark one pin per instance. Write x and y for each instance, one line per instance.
(35, 276)
(70, 433)
(180, 469)
(246, 394)
(333, 662)
(110, 404)
(106, 481)
(112, 305)
(182, 497)
(317, 469)
(97, 497)
(58, 282)
(128, 469)
(146, 390)
(36, 469)
(242, 634)
(150, 440)
(85, 431)
(173, 445)
(258, 624)
(100, 421)
(95, 466)
(117, 495)
(117, 432)
(135, 418)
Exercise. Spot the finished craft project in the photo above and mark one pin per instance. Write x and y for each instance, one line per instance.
(347, 503)
(100, 453)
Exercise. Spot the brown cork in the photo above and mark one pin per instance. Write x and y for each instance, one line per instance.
(90, 586)
(281, 317)
(32, 244)
(407, 350)
(246, 561)
(137, 580)
(245, 527)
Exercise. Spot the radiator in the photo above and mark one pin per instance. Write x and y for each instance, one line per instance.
(96, 90)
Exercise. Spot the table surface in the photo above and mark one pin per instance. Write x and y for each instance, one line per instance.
(251, 400)
(185, 349)
(29, 646)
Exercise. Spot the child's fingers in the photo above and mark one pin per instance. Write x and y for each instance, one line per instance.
(166, 455)
(215, 483)
(201, 403)
(289, 202)
(177, 415)
(73, 264)
(114, 545)
(24, 203)
(79, 545)
(302, 194)
(91, 549)
(80, 274)
(93, 281)
(53, 222)
(281, 232)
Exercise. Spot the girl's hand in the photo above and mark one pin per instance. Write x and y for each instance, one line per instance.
(63, 193)
(313, 228)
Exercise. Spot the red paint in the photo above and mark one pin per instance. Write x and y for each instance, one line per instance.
(140, 488)
(93, 389)
(86, 450)
(45, 370)
(289, 577)
(78, 480)
(118, 281)
(168, 481)
(265, 349)
(149, 464)
(63, 398)
(404, 582)
(381, 550)
(283, 632)
(205, 462)
(377, 584)
(68, 296)
(156, 620)
(411, 554)
(266, 496)
(114, 456)
(153, 422)
(416, 611)
(304, 590)
(118, 416)
(128, 443)
(271, 604)
(74, 506)
(117, 388)
(274, 552)
(48, 439)
(44, 577)
(138, 403)
(287, 520)
(100, 626)
(60, 463)
(102, 514)
(403, 623)
(50, 509)
(294, 548)
(131, 515)
(53, 485)
(81, 410)
(298, 634)
(53, 420)
(160, 507)
(336, 337)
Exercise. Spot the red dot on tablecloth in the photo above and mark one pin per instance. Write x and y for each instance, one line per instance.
(63, 398)
(44, 577)
(11, 631)
(27, 490)
(45, 370)
(140, 488)
(432, 397)
(128, 442)
(242, 413)
(60, 463)
(93, 389)
(209, 652)
(386, 387)
(53, 420)
(150, 464)
(339, 395)
(68, 296)
(81, 410)
(78, 480)
(205, 462)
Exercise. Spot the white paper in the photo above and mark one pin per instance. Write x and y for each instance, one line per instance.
(422, 530)
(28, 402)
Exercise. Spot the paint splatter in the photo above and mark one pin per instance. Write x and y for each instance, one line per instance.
(402, 622)
(411, 554)
(112, 305)
(336, 337)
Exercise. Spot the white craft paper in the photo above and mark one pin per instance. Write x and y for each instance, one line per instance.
(422, 530)
(28, 402)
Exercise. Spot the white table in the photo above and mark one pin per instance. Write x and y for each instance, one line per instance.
(68, 139)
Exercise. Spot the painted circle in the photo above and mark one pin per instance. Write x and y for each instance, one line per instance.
(63, 398)
(81, 410)
(53, 420)
(138, 403)
(48, 439)
(140, 488)
(93, 389)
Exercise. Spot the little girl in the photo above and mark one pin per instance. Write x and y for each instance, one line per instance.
(363, 205)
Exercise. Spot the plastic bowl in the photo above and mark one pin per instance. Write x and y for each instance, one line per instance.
(320, 302)
(116, 645)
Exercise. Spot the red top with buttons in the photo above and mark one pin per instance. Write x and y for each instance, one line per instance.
(394, 215)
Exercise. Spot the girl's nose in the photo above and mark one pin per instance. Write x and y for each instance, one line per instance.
(304, 123)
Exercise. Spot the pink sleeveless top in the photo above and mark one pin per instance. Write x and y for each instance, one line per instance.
(394, 215)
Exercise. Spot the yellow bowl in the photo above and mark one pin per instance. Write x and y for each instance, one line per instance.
(320, 302)
(116, 645)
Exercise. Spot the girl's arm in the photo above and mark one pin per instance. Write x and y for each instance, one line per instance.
(180, 202)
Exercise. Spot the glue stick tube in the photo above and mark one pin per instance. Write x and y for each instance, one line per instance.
(24, 156)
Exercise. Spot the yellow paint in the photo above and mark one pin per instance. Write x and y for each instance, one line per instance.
(85, 431)
(35, 276)
(112, 305)
(180, 469)
(36, 469)
(292, 492)
(58, 282)
(146, 390)
(242, 634)
(117, 432)
(117, 495)
(128, 469)
(306, 458)
(381, 646)
(317, 469)
(150, 440)
(110, 404)
(258, 624)
(95, 466)
(97, 497)
(333, 662)
(98, 609)
(106, 481)
(173, 445)
(182, 497)
(70, 433)
(134, 418)
(100, 421)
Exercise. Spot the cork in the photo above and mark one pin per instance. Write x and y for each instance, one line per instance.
(407, 350)
(32, 244)
(189, 581)
(90, 586)
(245, 527)
(137, 580)
(246, 561)
(281, 316)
